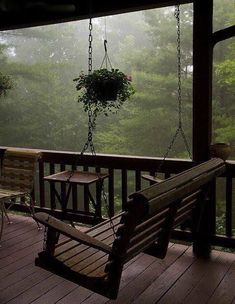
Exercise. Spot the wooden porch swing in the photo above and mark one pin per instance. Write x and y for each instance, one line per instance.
(95, 259)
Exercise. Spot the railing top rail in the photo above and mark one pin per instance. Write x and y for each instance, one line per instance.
(112, 161)
(129, 162)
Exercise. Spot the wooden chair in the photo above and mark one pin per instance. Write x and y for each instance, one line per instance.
(17, 180)
(95, 259)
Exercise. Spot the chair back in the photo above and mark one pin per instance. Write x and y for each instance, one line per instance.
(18, 169)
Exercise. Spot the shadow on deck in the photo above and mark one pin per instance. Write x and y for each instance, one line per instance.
(179, 278)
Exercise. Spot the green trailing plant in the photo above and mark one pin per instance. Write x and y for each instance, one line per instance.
(103, 90)
(5, 84)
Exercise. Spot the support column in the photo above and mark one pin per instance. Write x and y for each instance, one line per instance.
(202, 78)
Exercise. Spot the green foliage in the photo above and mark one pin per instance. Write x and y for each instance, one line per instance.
(225, 73)
(5, 84)
(104, 90)
(224, 108)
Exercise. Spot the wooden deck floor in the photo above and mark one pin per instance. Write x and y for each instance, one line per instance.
(179, 278)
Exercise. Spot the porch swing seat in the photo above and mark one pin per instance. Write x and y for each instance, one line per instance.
(94, 259)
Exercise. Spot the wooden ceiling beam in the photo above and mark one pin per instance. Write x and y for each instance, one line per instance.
(21, 16)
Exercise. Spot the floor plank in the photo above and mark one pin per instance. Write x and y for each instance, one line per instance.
(184, 285)
(207, 285)
(166, 280)
(225, 292)
(151, 273)
(179, 278)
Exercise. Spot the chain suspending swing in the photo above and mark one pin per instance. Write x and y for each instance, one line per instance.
(179, 130)
(89, 142)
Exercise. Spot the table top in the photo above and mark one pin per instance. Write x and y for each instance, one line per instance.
(76, 177)
(152, 178)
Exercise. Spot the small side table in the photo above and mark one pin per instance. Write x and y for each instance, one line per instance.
(152, 179)
(77, 178)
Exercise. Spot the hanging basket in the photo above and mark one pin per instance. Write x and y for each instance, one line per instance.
(106, 90)
(102, 87)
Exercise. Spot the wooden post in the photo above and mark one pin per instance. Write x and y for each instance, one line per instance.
(51, 241)
(202, 78)
(202, 227)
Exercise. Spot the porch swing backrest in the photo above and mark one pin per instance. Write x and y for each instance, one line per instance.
(95, 259)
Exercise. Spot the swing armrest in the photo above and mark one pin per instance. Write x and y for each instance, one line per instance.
(71, 232)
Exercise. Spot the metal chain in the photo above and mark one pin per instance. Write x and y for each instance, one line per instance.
(91, 123)
(89, 142)
(45, 236)
(90, 39)
(106, 59)
(179, 130)
(45, 239)
(178, 42)
(107, 208)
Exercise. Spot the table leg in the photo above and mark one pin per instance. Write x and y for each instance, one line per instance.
(98, 197)
(63, 198)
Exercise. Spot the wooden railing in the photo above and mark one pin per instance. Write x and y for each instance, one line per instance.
(125, 177)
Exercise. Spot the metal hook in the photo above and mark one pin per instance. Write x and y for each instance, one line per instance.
(105, 45)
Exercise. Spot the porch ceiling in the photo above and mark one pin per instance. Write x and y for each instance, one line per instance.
(17, 14)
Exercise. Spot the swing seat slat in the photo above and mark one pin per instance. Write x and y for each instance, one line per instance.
(95, 258)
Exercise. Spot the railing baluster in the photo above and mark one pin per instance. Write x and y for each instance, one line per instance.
(212, 219)
(52, 193)
(41, 184)
(137, 180)
(74, 193)
(111, 192)
(167, 175)
(86, 196)
(98, 195)
(229, 187)
(152, 173)
(124, 188)
(63, 185)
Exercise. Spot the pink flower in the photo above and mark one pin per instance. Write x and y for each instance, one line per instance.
(129, 78)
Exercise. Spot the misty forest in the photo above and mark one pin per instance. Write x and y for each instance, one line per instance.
(41, 109)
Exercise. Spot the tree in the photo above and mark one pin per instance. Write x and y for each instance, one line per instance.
(5, 81)
(224, 79)
(151, 115)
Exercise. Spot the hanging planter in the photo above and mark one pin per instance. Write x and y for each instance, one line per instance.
(104, 89)
(101, 91)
